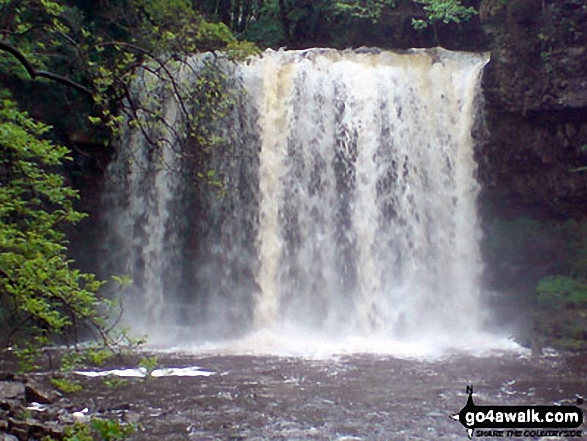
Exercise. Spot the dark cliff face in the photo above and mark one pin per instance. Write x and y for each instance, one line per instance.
(536, 95)
(532, 165)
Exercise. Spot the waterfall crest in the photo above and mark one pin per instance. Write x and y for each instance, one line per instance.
(349, 208)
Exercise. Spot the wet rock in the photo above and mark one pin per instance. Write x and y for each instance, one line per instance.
(122, 406)
(40, 430)
(18, 428)
(65, 418)
(18, 412)
(30, 428)
(131, 417)
(36, 394)
(6, 376)
(11, 389)
(368, 50)
(9, 404)
(81, 415)
(16, 422)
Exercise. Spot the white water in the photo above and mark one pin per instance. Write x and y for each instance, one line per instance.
(349, 220)
(139, 196)
(192, 371)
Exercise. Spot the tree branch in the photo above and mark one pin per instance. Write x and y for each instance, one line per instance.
(161, 64)
(34, 73)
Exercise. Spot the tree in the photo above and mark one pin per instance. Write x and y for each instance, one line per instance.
(41, 295)
(102, 54)
(298, 23)
(445, 11)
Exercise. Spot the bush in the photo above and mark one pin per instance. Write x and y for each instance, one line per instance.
(561, 314)
(561, 292)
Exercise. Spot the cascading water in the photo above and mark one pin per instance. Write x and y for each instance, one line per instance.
(139, 210)
(348, 210)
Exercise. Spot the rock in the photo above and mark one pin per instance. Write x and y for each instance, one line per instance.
(6, 376)
(18, 412)
(11, 389)
(9, 404)
(122, 406)
(36, 394)
(524, 11)
(40, 431)
(19, 428)
(131, 417)
(31, 428)
(64, 416)
(7, 437)
(81, 416)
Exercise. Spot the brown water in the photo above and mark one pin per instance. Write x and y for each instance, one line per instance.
(349, 397)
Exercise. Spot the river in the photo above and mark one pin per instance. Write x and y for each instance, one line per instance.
(347, 397)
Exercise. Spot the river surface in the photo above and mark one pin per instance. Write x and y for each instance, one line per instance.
(350, 397)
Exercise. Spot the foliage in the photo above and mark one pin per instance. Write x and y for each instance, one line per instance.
(39, 22)
(111, 430)
(369, 9)
(445, 11)
(98, 356)
(156, 59)
(102, 54)
(266, 29)
(27, 352)
(114, 382)
(98, 429)
(276, 23)
(237, 15)
(94, 354)
(561, 292)
(148, 364)
(78, 432)
(560, 315)
(44, 295)
(66, 385)
(71, 361)
(561, 323)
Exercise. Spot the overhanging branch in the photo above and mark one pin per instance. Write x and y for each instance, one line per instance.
(34, 73)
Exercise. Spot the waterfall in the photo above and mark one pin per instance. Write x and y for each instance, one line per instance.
(138, 199)
(348, 209)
